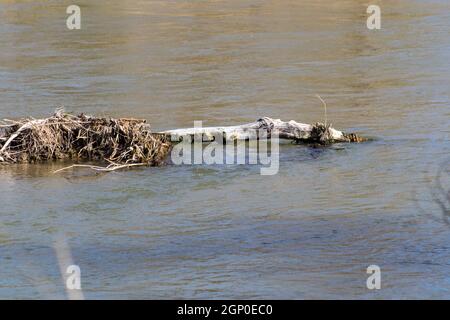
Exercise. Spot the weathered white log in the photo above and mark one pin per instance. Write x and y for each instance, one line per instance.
(292, 130)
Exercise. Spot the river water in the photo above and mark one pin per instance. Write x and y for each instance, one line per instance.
(225, 231)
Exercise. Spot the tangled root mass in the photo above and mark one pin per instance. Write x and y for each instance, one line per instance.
(66, 136)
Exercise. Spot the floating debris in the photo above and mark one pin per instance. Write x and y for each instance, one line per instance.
(128, 142)
(120, 142)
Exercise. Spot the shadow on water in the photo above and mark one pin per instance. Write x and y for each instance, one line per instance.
(439, 195)
(441, 192)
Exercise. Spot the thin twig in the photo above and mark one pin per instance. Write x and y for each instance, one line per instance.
(325, 107)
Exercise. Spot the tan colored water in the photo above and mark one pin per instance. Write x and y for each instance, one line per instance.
(225, 231)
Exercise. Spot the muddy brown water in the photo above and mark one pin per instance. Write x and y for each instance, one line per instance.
(225, 231)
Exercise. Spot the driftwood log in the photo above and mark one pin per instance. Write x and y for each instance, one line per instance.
(130, 142)
(290, 130)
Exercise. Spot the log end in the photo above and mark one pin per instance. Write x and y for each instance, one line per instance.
(353, 137)
(324, 134)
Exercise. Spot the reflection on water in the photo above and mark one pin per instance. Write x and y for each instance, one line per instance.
(225, 231)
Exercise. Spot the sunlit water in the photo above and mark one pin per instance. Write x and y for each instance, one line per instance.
(226, 231)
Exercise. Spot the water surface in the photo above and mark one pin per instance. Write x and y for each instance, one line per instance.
(226, 231)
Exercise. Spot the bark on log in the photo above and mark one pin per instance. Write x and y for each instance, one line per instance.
(291, 130)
